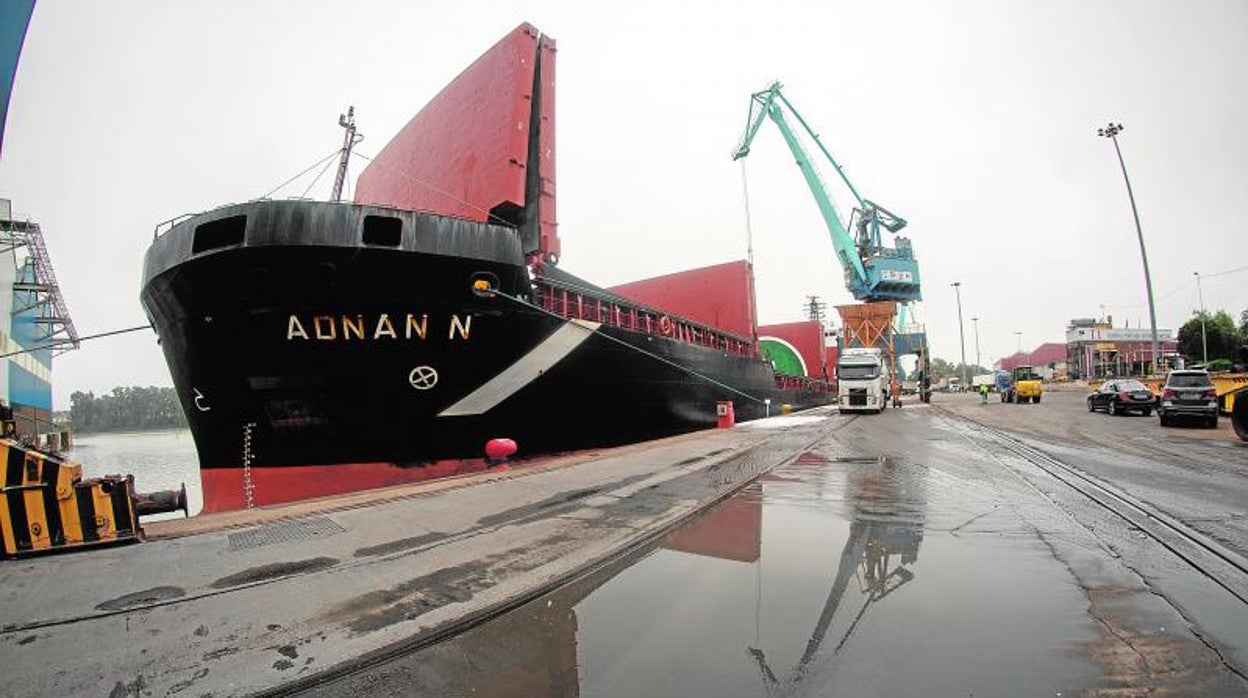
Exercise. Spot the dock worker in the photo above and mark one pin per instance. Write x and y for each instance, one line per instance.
(983, 394)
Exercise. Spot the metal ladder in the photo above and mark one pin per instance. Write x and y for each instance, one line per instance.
(44, 283)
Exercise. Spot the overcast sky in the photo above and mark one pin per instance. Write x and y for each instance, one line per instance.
(976, 121)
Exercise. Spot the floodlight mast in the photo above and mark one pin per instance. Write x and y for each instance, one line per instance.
(1111, 132)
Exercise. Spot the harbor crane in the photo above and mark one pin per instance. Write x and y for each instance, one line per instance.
(874, 270)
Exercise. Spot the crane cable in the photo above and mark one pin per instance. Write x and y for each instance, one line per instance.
(749, 231)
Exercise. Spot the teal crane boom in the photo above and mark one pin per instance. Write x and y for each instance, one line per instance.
(873, 271)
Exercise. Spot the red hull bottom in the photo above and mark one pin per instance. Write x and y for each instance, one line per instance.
(225, 488)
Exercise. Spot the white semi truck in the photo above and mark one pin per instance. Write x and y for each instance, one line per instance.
(862, 380)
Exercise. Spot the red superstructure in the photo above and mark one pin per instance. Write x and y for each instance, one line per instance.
(732, 530)
(719, 296)
(470, 153)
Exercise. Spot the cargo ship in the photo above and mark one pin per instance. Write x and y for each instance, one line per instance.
(327, 347)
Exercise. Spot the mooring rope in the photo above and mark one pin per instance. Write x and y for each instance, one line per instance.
(63, 342)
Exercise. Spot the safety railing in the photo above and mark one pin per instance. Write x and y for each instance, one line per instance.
(583, 304)
(785, 381)
(575, 303)
(165, 226)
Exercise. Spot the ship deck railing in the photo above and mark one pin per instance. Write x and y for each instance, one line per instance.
(576, 303)
(165, 226)
(786, 381)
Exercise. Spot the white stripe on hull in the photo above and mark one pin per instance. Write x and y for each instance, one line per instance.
(525, 370)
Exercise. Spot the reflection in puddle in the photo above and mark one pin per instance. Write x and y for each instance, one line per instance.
(808, 581)
(883, 540)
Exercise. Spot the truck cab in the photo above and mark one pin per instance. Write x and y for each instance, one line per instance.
(862, 381)
(1024, 386)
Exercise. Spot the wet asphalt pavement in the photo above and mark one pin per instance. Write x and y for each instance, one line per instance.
(910, 553)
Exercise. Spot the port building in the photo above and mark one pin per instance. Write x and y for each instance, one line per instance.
(35, 325)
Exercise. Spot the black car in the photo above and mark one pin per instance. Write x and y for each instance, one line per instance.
(1189, 393)
(1119, 396)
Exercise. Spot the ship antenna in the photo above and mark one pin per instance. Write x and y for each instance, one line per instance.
(349, 139)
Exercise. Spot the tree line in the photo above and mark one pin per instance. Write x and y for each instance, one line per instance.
(1224, 338)
(126, 408)
(943, 369)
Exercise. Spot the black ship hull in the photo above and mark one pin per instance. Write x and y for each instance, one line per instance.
(320, 348)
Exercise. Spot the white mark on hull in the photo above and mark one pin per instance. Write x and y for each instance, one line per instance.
(525, 370)
(423, 377)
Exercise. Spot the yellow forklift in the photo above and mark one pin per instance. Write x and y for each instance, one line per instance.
(1025, 386)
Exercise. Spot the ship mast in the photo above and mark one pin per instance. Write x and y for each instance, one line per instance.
(349, 139)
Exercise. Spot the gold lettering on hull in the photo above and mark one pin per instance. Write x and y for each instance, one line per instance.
(463, 327)
(295, 329)
(384, 328)
(356, 327)
(324, 327)
(352, 326)
(419, 329)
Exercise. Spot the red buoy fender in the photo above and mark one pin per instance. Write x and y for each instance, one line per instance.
(499, 449)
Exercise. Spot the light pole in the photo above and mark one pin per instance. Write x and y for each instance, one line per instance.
(975, 322)
(957, 289)
(1204, 342)
(1019, 337)
(1111, 132)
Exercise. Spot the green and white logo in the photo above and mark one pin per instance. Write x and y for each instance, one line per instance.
(784, 357)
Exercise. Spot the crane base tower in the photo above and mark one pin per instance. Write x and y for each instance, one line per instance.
(873, 325)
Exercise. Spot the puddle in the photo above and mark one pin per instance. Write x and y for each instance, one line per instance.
(782, 422)
(141, 598)
(820, 578)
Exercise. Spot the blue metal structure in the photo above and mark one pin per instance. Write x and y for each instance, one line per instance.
(874, 271)
(30, 381)
(14, 18)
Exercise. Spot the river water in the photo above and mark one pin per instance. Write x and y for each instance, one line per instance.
(159, 460)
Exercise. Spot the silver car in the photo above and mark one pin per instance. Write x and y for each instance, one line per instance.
(1189, 393)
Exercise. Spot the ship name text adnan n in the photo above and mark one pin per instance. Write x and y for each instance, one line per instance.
(360, 327)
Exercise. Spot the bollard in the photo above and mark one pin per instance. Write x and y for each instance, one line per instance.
(148, 503)
(725, 418)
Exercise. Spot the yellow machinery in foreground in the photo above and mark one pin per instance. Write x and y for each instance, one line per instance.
(48, 506)
(1025, 386)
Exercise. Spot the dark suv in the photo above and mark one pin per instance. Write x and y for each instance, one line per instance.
(1189, 394)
